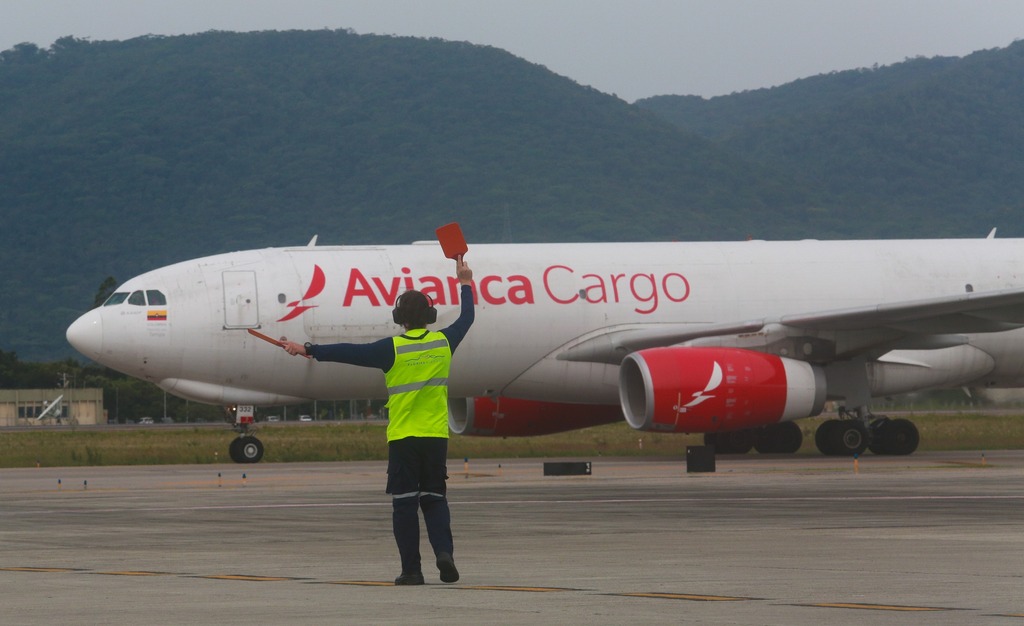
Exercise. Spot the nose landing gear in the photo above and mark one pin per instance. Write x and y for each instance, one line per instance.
(245, 448)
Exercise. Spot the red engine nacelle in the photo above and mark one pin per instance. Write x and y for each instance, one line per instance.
(511, 417)
(699, 390)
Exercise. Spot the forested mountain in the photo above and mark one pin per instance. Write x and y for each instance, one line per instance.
(928, 146)
(118, 157)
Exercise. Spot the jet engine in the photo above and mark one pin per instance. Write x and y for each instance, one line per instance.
(512, 417)
(699, 390)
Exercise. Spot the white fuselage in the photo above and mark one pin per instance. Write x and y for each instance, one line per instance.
(533, 302)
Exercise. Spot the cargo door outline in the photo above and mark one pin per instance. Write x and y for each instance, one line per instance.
(241, 301)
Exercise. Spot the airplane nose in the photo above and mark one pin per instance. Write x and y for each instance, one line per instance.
(86, 334)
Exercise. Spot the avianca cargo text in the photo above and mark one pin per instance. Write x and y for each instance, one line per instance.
(560, 284)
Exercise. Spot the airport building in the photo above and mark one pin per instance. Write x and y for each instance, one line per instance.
(23, 407)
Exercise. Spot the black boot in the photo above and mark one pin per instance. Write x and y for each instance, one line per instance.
(415, 578)
(446, 564)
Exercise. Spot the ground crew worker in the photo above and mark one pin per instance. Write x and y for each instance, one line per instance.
(415, 365)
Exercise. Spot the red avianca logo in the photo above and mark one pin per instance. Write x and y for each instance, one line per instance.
(315, 287)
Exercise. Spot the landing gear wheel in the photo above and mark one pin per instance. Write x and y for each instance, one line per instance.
(246, 449)
(877, 429)
(901, 437)
(783, 438)
(853, 438)
(251, 449)
(824, 439)
(234, 450)
(896, 437)
(842, 438)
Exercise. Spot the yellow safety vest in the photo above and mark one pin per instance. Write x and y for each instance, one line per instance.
(418, 386)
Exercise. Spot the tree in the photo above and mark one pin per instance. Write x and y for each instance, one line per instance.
(8, 369)
(23, 53)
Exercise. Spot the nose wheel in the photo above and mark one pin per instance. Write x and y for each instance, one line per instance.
(246, 449)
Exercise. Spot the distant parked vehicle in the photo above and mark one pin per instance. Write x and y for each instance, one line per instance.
(305, 418)
(273, 418)
(146, 420)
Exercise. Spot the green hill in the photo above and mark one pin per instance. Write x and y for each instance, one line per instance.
(929, 146)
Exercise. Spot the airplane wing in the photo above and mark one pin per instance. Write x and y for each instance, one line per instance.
(922, 324)
(990, 311)
(613, 344)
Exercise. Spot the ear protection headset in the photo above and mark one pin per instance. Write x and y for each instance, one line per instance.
(412, 307)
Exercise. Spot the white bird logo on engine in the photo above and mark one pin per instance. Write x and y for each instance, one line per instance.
(702, 395)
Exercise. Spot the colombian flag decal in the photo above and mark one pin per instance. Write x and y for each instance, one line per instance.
(156, 316)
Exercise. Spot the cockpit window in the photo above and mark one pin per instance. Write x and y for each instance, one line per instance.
(155, 297)
(116, 298)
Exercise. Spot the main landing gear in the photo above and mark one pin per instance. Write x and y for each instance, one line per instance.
(851, 435)
(847, 436)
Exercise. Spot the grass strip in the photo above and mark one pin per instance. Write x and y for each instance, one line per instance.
(341, 441)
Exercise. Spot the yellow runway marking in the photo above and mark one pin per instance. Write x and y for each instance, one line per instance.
(261, 579)
(876, 607)
(136, 573)
(507, 588)
(685, 596)
(362, 583)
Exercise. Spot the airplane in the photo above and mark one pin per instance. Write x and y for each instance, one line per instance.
(735, 340)
(53, 408)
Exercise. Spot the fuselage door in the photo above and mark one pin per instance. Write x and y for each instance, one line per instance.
(241, 305)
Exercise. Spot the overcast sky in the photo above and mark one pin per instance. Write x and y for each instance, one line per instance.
(631, 48)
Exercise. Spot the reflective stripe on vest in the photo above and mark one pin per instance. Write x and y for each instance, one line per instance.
(420, 346)
(433, 382)
(418, 387)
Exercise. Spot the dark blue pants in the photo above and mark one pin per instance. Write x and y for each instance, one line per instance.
(417, 472)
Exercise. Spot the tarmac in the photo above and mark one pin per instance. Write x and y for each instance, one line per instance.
(934, 538)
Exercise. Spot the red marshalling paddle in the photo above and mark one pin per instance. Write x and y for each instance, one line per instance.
(256, 333)
(452, 242)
